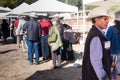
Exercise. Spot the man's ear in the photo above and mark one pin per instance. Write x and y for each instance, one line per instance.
(97, 19)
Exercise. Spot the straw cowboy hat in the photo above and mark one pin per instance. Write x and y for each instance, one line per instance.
(99, 11)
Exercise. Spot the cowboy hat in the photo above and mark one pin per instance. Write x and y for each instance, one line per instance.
(99, 11)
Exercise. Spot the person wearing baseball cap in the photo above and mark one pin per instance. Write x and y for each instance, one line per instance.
(113, 34)
(96, 60)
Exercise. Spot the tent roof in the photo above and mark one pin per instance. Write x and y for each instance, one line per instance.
(20, 9)
(51, 6)
(2, 10)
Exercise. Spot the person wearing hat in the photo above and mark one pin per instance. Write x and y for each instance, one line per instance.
(56, 46)
(33, 32)
(113, 34)
(45, 25)
(96, 59)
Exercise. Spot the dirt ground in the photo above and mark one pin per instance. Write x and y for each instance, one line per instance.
(15, 66)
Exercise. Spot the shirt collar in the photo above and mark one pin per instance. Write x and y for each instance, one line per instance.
(101, 30)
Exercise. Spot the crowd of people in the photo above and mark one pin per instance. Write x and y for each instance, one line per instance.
(31, 34)
(101, 59)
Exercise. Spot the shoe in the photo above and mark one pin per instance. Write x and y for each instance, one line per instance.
(44, 58)
(36, 63)
(31, 63)
(55, 67)
(27, 58)
(58, 67)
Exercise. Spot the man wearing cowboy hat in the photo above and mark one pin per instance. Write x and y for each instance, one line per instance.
(33, 29)
(96, 59)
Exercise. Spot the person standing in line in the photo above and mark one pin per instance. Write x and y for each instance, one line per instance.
(4, 29)
(16, 31)
(61, 23)
(113, 35)
(20, 33)
(33, 29)
(96, 59)
(56, 46)
(46, 25)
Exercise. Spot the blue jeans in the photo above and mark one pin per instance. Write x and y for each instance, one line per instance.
(118, 61)
(118, 57)
(45, 46)
(4, 34)
(59, 52)
(32, 45)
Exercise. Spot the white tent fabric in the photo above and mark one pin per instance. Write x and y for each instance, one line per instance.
(19, 9)
(3, 15)
(7, 8)
(16, 11)
(2, 10)
(51, 6)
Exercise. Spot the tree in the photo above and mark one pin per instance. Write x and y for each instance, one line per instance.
(14, 3)
(113, 9)
(71, 2)
(77, 3)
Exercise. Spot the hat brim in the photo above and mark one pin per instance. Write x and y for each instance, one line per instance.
(90, 18)
(99, 11)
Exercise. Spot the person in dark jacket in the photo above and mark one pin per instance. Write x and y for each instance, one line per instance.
(96, 60)
(4, 29)
(68, 53)
(33, 29)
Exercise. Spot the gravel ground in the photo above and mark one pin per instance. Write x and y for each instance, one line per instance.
(15, 66)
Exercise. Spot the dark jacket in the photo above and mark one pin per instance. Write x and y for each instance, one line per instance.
(33, 29)
(88, 72)
(68, 53)
(69, 39)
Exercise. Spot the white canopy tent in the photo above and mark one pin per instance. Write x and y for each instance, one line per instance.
(51, 6)
(19, 9)
(16, 11)
(3, 10)
(7, 8)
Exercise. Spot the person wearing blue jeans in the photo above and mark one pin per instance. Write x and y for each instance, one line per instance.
(33, 36)
(45, 46)
(33, 45)
(45, 25)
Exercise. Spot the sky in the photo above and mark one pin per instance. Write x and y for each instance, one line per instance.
(90, 1)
